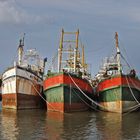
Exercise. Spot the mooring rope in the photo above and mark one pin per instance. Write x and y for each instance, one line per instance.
(42, 96)
(131, 110)
(86, 102)
(131, 90)
(85, 94)
(135, 106)
(134, 83)
(39, 93)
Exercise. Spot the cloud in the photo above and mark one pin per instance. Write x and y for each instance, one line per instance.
(126, 10)
(14, 11)
(10, 12)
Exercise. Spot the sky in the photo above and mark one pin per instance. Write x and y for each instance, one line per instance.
(97, 20)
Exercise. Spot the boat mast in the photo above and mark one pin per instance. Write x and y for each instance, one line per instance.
(20, 50)
(76, 50)
(68, 47)
(118, 52)
(83, 60)
(60, 51)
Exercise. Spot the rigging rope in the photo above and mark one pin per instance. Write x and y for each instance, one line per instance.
(86, 102)
(39, 93)
(126, 61)
(134, 84)
(131, 90)
(136, 106)
(85, 94)
(53, 107)
(131, 110)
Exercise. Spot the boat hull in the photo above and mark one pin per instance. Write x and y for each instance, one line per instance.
(119, 94)
(21, 89)
(64, 96)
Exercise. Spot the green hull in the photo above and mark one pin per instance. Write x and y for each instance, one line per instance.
(64, 98)
(119, 99)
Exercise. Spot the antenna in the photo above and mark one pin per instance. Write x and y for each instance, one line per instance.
(23, 39)
(20, 49)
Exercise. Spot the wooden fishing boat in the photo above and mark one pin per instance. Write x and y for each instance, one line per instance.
(117, 91)
(66, 88)
(22, 83)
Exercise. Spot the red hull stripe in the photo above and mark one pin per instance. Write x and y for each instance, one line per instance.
(9, 100)
(21, 101)
(56, 107)
(66, 107)
(65, 79)
(117, 81)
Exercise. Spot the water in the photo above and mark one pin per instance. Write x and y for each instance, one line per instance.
(40, 125)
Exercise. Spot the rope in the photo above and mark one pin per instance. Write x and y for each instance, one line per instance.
(86, 102)
(85, 94)
(131, 110)
(131, 90)
(49, 103)
(136, 106)
(134, 84)
(126, 61)
(40, 94)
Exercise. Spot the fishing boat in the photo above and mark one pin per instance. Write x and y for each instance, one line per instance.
(118, 90)
(67, 86)
(22, 83)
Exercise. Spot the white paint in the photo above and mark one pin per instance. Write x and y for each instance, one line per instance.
(9, 86)
(17, 80)
(24, 74)
(25, 86)
(9, 73)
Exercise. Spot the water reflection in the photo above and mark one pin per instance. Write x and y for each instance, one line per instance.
(42, 125)
(109, 126)
(70, 126)
(21, 125)
(8, 125)
(131, 126)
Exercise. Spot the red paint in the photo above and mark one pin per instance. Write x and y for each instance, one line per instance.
(51, 81)
(21, 101)
(66, 107)
(75, 107)
(9, 100)
(84, 85)
(133, 82)
(117, 81)
(109, 83)
(65, 79)
(55, 107)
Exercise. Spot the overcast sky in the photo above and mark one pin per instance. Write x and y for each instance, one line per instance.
(97, 20)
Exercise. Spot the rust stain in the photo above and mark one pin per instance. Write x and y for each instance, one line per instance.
(112, 106)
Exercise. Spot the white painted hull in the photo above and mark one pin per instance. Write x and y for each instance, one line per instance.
(21, 89)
